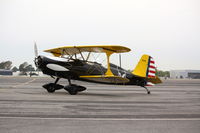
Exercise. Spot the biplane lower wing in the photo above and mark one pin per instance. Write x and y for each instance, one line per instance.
(106, 79)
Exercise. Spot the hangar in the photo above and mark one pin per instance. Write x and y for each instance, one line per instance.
(6, 72)
(182, 74)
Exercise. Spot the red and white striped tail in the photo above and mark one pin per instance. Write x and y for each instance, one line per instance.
(151, 69)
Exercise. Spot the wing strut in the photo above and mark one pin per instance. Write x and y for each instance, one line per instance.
(108, 54)
(81, 53)
(88, 56)
(120, 61)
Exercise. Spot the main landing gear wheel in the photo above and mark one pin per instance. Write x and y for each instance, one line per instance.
(52, 87)
(74, 89)
(49, 87)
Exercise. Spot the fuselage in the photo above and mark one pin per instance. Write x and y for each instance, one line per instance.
(76, 68)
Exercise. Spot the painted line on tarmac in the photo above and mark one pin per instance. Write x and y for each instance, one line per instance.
(106, 119)
(24, 83)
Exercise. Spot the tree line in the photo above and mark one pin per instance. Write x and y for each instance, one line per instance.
(23, 68)
(161, 73)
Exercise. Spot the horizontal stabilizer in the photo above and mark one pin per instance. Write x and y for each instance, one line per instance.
(154, 80)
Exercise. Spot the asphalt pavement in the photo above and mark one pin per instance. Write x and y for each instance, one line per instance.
(172, 107)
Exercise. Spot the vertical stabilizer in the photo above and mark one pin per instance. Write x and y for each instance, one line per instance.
(145, 67)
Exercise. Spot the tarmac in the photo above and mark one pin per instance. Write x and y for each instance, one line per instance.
(172, 107)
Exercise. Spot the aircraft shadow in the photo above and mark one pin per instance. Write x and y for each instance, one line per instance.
(89, 94)
(93, 94)
(100, 94)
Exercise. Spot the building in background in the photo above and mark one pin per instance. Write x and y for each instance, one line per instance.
(6, 72)
(182, 74)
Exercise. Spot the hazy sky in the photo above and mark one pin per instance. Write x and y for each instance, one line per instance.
(168, 30)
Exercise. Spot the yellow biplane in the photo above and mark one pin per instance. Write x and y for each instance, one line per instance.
(74, 62)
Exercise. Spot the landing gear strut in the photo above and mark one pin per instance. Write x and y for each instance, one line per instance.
(73, 89)
(148, 91)
(143, 84)
(52, 87)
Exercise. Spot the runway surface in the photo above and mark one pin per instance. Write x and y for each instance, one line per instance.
(172, 107)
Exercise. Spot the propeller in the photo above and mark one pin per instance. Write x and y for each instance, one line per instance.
(35, 50)
(37, 57)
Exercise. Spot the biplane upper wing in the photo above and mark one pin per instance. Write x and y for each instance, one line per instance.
(71, 50)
